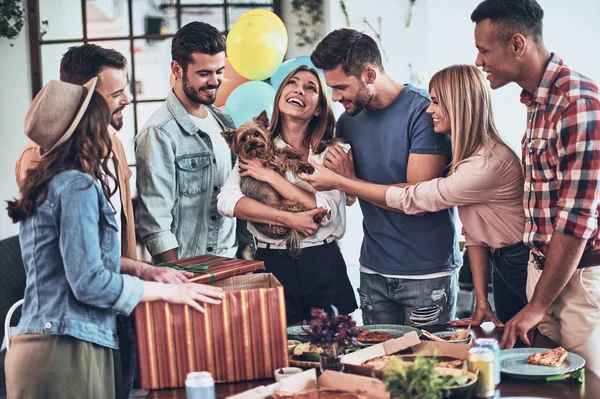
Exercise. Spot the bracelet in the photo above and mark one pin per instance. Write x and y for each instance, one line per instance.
(482, 301)
(269, 217)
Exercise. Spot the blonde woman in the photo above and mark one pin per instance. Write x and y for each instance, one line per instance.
(303, 120)
(485, 183)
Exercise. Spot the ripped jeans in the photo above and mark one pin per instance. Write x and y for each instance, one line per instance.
(418, 303)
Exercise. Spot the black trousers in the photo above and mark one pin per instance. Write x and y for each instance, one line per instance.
(316, 278)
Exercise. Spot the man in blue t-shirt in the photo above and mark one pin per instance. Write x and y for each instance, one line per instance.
(409, 264)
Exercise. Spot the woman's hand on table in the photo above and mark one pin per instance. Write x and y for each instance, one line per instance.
(481, 313)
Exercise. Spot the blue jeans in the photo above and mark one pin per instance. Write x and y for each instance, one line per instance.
(509, 279)
(408, 302)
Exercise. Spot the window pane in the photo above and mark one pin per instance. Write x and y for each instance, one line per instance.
(154, 17)
(107, 18)
(152, 68)
(51, 55)
(211, 15)
(127, 134)
(234, 13)
(253, 2)
(201, 2)
(56, 13)
(145, 111)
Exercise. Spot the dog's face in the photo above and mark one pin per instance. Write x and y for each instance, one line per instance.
(250, 140)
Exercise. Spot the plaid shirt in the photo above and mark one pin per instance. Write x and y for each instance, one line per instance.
(561, 158)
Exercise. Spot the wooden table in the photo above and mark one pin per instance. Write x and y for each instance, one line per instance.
(508, 387)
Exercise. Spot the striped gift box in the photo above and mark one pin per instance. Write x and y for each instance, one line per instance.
(244, 338)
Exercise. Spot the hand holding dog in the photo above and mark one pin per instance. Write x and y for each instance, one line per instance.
(255, 169)
(322, 179)
(304, 222)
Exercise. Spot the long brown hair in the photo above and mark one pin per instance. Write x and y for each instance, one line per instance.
(88, 150)
(321, 128)
(465, 100)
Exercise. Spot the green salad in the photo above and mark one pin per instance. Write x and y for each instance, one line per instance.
(420, 379)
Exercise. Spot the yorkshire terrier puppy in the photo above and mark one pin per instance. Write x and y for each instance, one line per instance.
(252, 140)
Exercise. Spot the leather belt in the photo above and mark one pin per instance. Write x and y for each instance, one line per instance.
(588, 259)
(265, 245)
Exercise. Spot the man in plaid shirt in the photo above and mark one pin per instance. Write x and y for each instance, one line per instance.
(561, 159)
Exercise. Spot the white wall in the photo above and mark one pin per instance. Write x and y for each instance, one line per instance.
(15, 86)
(568, 31)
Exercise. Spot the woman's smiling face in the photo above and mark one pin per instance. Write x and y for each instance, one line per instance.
(300, 97)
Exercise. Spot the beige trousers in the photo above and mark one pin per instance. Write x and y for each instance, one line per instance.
(573, 319)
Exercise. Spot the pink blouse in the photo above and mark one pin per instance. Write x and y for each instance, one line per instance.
(487, 188)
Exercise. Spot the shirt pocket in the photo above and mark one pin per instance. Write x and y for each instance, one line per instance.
(193, 173)
(109, 229)
(540, 154)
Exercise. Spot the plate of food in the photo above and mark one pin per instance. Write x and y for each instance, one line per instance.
(423, 378)
(298, 333)
(377, 333)
(458, 337)
(308, 352)
(539, 363)
(382, 362)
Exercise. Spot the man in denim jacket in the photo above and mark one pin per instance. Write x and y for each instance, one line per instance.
(182, 160)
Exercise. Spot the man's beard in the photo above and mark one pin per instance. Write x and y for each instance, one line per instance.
(193, 95)
(363, 99)
(115, 121)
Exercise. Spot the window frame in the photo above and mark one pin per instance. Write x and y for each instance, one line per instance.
(36, 43)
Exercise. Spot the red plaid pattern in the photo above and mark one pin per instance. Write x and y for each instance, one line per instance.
(561, 158)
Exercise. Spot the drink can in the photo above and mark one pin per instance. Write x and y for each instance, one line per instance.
(481, 362)
(492, 345)
(200, 385)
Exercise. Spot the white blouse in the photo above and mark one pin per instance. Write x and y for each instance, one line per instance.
(334, 201)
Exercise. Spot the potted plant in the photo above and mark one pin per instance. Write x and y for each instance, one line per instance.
(333, 333)
(11, 18)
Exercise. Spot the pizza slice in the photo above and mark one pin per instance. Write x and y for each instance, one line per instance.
(379, 363)
(552, 358)
(372, 337)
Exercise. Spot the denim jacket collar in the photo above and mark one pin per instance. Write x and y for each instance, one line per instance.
(183, 119)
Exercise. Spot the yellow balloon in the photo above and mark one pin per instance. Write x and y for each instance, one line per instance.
(273, 17)
(255, 47)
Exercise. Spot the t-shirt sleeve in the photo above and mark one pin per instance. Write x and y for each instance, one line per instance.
(423, 139)
(339, 128)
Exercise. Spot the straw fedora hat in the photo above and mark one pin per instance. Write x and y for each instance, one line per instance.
(56, 111)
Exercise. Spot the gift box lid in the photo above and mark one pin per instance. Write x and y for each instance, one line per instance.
(208, 268)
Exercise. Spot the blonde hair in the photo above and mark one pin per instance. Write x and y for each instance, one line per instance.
(321, 127)
(465, 101)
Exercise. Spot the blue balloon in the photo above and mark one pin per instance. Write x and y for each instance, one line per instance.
(249, 100)
(291, 64)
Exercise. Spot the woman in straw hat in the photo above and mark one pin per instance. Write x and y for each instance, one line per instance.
(66, 344)
(485, 183)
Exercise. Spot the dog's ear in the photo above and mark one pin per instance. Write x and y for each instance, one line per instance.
(228, 135)
(263, 119)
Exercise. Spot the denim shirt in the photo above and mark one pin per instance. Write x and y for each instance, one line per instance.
(176, 168)
(71, 255)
